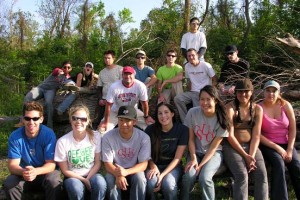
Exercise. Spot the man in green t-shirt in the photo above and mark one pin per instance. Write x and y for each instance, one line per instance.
(169, 78)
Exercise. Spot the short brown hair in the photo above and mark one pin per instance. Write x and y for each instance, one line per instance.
(33, 106)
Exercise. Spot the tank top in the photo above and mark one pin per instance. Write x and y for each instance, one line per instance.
(276, 130)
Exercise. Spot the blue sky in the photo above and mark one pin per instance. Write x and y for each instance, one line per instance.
(139, 8)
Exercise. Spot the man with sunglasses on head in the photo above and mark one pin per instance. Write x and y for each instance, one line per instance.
(169, 78)
(234, 68)
(194, 39)
(143, 72)
(31, 157)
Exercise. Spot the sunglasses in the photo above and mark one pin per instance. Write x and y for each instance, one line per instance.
(230, 53)
(29, 118)
(140, 57)
(66, 67)
(82, 119)
(173, 56)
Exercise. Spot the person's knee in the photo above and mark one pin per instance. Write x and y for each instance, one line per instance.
(110, 181)
(139, 179)
(98, 182)
(10, 182)
(205, 180)
(53, 179)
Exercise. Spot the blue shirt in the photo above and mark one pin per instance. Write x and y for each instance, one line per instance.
(143, 74)
(32, 151)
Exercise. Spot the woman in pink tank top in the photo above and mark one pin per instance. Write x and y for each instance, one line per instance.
(278, 135)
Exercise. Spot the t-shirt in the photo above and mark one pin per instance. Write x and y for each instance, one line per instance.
(276, 130)
(80, 156)
(205, 129)
(193, 40)
(178, 135)
(107, 77)
(52, 82)
(126, 153)
(232, 71)
(32, 151)
(199, 75)
(143, 74)
(120, 95)
(166, 73)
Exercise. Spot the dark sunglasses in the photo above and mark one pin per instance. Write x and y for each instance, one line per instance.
(66, 67)
(230, 53)
(29, 118)
(82, 119)
(140, 57)
(173, 56)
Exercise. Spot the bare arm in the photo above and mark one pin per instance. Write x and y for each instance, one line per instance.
(79, 79)
(152, 81)
(214, 80)
(292, 130)
(96, 167)
(255, 137)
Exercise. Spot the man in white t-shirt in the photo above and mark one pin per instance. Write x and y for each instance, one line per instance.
(198, 74)
(107, 76)
(126, 92)
(125, 153)
(194, 39)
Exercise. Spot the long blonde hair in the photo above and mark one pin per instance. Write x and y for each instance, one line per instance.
(89, 130)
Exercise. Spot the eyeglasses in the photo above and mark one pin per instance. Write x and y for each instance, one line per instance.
(88, 66)
(140, 57)
(230, 53)
(33, 118)
(67, 67)
(173, 56)
(82, 119)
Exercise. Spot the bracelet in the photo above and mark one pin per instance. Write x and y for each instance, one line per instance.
(145, 117)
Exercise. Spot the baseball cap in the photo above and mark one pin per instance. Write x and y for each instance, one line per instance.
(56, 71)
(127, 112)
(272, 83)
(128, 69)
(230, 49)
(244, 84)
(140, 52)
(89, 63)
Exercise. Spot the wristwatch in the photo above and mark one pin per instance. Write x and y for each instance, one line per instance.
(146, 116)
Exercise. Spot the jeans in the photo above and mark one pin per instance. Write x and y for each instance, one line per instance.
(278, 179)
(238, 168)
(168, 185)
(205, 177)
(63, 106)
(37, 93)
(14, 186)
(136, 182)
(181, 100)
(76, 189)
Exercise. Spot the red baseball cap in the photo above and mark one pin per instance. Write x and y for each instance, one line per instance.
(128, 69)
(57, 71)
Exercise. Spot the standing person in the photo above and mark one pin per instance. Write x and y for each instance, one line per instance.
(107, 76)
(194, 39)
(31, 157)
(208, 126)
(278, 135)
(125, 152)
(241, 152)
(78, 156)
(168, 143)
(198, 74)
(126, 92)
(84, 80)
(47, 90)
(233, 68)
(169, 78)
(143, 72)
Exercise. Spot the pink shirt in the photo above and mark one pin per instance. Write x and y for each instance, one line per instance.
(276, 130)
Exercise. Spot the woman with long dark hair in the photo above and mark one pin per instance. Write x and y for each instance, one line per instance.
(278, 135)
(168, 143)
(208, 126)
(241, 153)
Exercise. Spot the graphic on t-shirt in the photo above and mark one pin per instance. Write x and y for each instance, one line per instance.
(126, 152)
(81, 158)
(204, 132)
(127, 97)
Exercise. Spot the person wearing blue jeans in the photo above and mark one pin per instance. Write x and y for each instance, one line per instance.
(78, 154)
(75, 188)
(168, 143)
(208, 125)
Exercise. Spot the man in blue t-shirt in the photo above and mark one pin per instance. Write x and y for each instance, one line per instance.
(143, 72)
(31, 157)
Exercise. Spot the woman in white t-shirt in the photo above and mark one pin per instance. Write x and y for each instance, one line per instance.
(208, 126)
(78, 156)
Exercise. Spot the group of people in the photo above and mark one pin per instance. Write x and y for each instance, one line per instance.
(143, 156)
